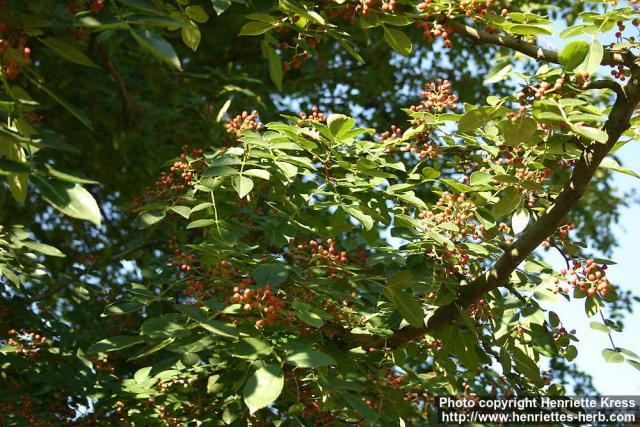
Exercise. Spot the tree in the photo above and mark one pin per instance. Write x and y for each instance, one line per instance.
(303, 268)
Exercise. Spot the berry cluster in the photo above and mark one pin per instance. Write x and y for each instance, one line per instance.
(315, 116)
(385, 6)
(314, 253)
(452, 208)
(588, 277)
(429, 149)
(243, 122)
(27, 343)
(437, 97)
(261, 300)
(296, 61)
(393, 379)
(395, 132)
(15, 53)
(75, 6)
(537, 176)
(429, 31)
(179, 176)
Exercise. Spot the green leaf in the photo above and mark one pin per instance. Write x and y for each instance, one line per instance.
(590, 133)
(368, 414)
(275, 66)
(220, 6)
(262, 17)
(251, 348)
(263, 387)
(507, 203)
(518, 131)
(573, 54)
(593, 59)
(612, 164)
(612, 356)
(309, 359)
(571, 353)
(81, 116)
(308, 314)
(165, 326)
(473, 119)
(157, 46)
(121, 307)
(219, 328)
(183, 211)
(147, 219)
(68, 177)
(407, 305)
(113, 344)
(70, 199)
(191, 36)
(68, 51)
(400, 280)
(242, 184)
(520, 220)
(258, 173)
(600, 327)
(19, 181)
(44, 249)
(339, 124)
(634, 363)
(270, 274)
(398, 40)
(591, 306)
(530, 30)
(480, 178)
(8, 167)
(365, 220)
(157, 21)
(144, 5)
(197, 14)
(255, 28)
(526, 366)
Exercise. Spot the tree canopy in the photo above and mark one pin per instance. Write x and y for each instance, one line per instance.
(291, 212)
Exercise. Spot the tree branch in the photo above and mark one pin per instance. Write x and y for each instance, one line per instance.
(617, 122)
(122, 88)
(545, 226)
(535, 52)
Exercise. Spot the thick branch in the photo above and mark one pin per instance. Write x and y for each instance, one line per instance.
(533, 51)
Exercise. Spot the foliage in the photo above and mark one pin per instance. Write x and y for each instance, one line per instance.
(303, 269)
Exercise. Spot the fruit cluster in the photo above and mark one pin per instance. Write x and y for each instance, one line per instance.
(27, 344)
(261, 300)
(314, 253)
(589, 277)
(15, 52)
(315, 116)
(179, 176)
(243, 122)
(436, 98)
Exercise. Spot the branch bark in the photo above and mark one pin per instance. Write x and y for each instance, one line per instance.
(530, 50)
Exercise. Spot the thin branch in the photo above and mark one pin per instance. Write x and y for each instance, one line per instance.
(606, 84)
(533, 51)
(564, 256)
(122, 88)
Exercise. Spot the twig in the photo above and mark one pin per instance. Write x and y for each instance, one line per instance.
(530, 50)
(122, 88)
